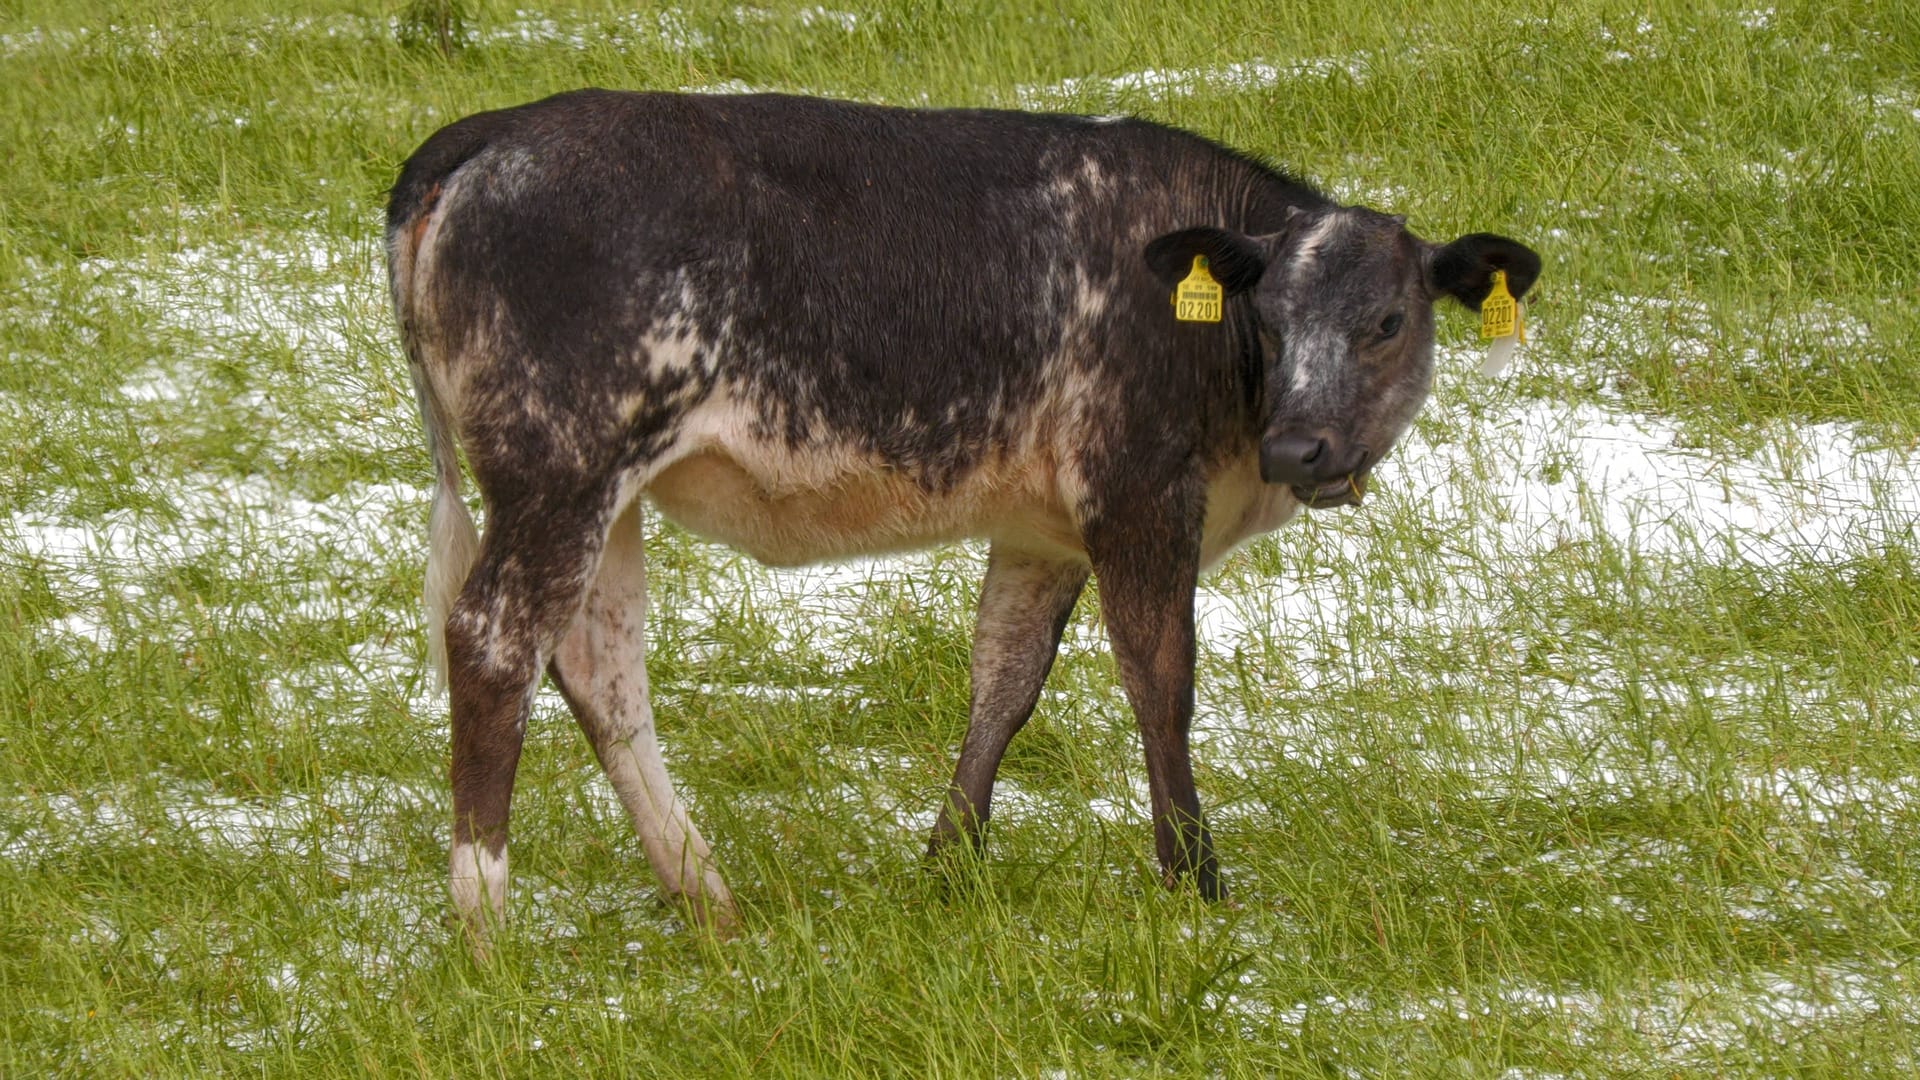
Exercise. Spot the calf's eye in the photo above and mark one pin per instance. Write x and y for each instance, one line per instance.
(1390, 325)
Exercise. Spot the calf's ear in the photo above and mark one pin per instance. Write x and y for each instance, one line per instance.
(1464, 269)
(1234, 259)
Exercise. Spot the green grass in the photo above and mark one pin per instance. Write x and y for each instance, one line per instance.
(1499, 793)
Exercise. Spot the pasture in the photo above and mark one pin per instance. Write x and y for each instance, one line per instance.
(1589, 746)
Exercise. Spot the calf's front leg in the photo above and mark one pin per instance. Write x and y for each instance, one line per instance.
(1147, 580)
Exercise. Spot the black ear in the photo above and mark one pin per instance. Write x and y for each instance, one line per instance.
(1464, 269)
(1235, 260)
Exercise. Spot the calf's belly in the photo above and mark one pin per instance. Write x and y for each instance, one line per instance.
(852, 511)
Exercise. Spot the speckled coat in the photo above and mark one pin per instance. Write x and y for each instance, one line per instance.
(813, 329)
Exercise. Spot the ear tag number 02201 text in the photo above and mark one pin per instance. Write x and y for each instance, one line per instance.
(1500, 321)
(1197, 297)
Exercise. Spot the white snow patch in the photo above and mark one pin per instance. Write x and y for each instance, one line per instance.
(1161, 84)
(812, 607)
(321, 825)
(95, 565)
(1536, 475)
(1556, 472)
(1497, 493)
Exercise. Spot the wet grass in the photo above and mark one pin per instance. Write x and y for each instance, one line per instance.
(1492, 800)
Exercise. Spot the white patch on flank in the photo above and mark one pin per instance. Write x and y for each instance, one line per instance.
(669, 347)
(1091, 175)
(1089, 304)
(1076, 189)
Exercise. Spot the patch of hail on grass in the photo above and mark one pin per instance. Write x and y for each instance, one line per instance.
(1386, 198)
(1495, 493)
(354, 828)
(143, 40)
(1629, 42)
(95, 566)
(312, 295)
(1681, 330)
(725, 87)
(1536, 475)
(388, 666)
(667, 27)
(1160, 84)
(301, 290)
(808, 17)
(1685, 1022)
(343, 826)
(1800, 796)
(815, 610)
(1895, 108)
(1674, 1023)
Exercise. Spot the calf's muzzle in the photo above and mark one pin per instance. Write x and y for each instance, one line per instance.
(1320, 468)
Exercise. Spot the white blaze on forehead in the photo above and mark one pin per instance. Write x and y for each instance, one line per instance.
(1310, 349)
(1310, 245)
(1308, 354)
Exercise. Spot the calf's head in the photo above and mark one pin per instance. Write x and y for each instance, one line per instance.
(1344, 301)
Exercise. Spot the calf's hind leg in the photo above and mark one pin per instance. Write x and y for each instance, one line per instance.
(534, 564)
(1024, 606)
(601, 669)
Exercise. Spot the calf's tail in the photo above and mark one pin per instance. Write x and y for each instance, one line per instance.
(452, 541)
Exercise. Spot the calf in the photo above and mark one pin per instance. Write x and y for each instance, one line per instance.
(814, 329)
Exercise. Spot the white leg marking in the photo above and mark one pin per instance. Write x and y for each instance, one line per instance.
(677, 852)
(479, 884)
(603, 663)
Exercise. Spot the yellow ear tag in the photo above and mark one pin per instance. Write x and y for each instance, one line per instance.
(1500, 320)
(1197, 297)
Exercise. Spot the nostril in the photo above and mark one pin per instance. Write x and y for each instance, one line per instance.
(1296, 459)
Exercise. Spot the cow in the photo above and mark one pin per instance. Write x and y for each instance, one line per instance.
(815, 329)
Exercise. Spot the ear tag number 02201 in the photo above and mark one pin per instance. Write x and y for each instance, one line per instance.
(1499, 314)
(1500, 321)
(1197, 297)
